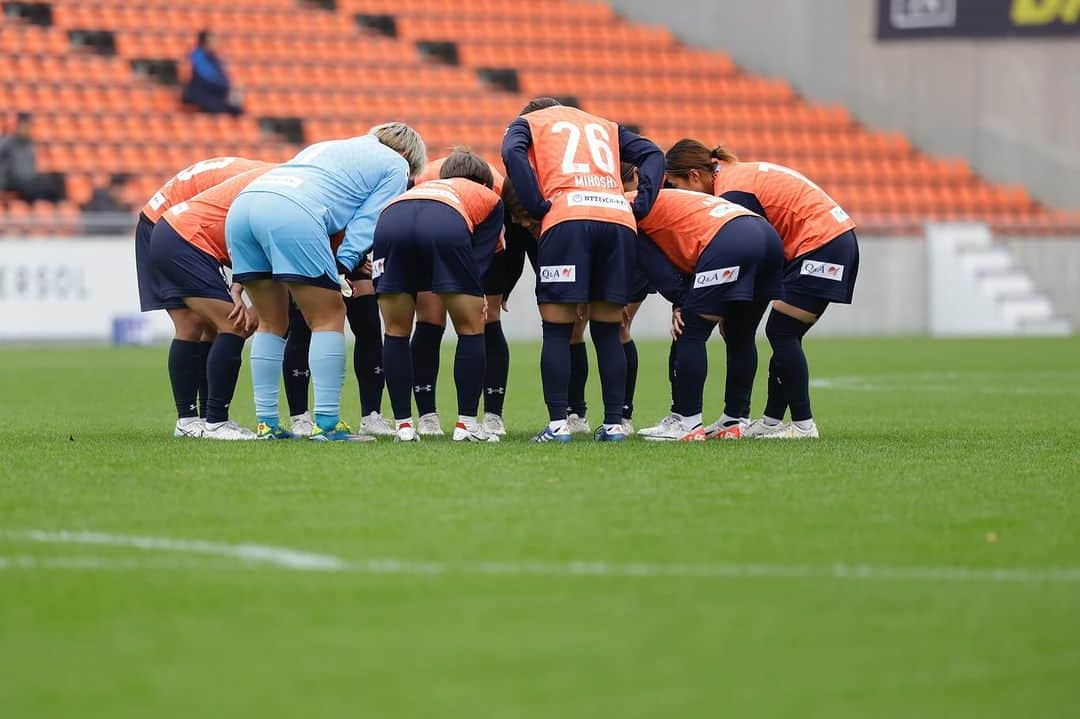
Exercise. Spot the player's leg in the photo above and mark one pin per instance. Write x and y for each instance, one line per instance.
(270, 300)
(397, 311)
(577, 420)
(296, 373)
(692, 366)
(739, 329)
(426, 344)
(185, 370)
(630, 350)
(324, 311)
(223, 366)
(205, 342)
(614, 266)
(362, 312)
(497, 354)
(470, 364)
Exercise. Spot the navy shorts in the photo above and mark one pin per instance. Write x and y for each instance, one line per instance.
(586, 261)
(150, 296)
(827, 273)
(425, 246)
(640, 288)
(183, 270)
(743, 263)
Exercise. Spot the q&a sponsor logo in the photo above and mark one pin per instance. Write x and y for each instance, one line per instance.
(825, 270)
(722, 276)
(558, 273)
(378, 267)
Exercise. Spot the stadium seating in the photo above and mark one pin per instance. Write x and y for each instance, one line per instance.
(96, 114)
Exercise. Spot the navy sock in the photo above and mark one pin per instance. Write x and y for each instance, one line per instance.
(611, 366)
(498, 367)
(775, 402)
(692, 364)
(579, 377)
(425, 358)
(222, 370)
(184, 369)
(397, 361)
(204, 388)
(470, 366)
(671, 373)
(741, 320)
(785, 335)
(555, 367)
(630, 350)
(294, 367)
(363, 315)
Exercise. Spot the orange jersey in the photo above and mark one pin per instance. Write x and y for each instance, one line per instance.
(201, 219)
(576, 159)
(803, 214)
(192, 180)
(682, 223)
(473, 201)
(431, 172)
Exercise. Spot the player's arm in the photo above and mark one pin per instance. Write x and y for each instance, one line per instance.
(747, 199)
(649, 159)
(360, 231)
(515, 155)
(488, 235)
(664, 276)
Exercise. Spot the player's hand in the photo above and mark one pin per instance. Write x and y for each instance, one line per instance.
(582, 312)
(484, 310)
(626, 316)
(251, 321)
(347, 289)
(366, 267)
(677, 323)
(236, 314)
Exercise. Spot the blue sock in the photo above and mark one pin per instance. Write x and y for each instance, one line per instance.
(295, 367)
(470, 365)
(741, 320)
(222, 371)
(425, 357)
(363, 315)
(498, 367)
(204, 386)
(691, 364)
(785, 335)
(611, 366)
(398, 370)
(327, 361)
(184, 370)
(555, 367)
(630, 350)
(579, 377)
(267, 352)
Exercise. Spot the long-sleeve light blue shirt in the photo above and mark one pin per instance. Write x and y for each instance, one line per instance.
(343, 184)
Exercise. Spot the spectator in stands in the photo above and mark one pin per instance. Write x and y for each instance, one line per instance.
(109, 197)
(18, 166)
(209, 88)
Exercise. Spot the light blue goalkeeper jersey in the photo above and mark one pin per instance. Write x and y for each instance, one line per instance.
(343, 185)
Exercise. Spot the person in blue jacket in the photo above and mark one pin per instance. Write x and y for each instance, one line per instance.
(209, 88)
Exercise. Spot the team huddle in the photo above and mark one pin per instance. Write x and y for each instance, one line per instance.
(365, 230)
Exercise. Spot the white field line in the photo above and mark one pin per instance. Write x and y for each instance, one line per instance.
(250, 558)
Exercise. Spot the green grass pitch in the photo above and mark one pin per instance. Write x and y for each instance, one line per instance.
(921, 560)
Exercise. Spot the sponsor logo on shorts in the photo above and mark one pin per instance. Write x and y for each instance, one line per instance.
(825, 270)
(377, 267)
(598, 199)
(558, 273)
(722, 276)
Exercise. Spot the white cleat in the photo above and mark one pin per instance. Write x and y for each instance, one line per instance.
(429, 425)
(627, 426)
(577, 425)
(493, 424)
(476, 434)
(302, 425)
(758, 428)
(189, 427)
(406, 433)
(228, 431)
(376, 424)
(790, 431)
(678, 432)
(661, 427)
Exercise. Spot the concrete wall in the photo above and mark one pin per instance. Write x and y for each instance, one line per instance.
(1011, 107)
(1055, 266)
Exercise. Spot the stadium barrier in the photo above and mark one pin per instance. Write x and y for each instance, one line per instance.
(84, 289)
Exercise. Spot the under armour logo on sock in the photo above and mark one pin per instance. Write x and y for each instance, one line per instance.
(378, 370)
(422, 388)
(496, 390)
(191, 406)
(301, 373)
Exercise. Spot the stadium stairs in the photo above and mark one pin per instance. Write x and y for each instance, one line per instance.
(102, 78)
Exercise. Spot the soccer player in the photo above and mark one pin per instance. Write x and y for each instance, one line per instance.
(499, 281)
(439, 237)
(822, 263)
(564, 166)
(717, 262)
(187, 253)
(192, 337)
(278, 233)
